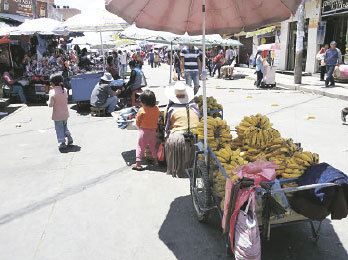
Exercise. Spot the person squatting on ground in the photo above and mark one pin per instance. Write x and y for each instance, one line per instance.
(103, 96)
(13, 86)
(58, 100)
(147, 119)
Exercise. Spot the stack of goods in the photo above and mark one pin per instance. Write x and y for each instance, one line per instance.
(256, 138)
(218, 132)
(211, 105)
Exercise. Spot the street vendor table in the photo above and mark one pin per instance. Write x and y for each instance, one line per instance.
(82, 86)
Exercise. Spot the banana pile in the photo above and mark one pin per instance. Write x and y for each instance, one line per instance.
(256, 131)
(229, 159)
(212, 104)
(218, 132)
(297, 165)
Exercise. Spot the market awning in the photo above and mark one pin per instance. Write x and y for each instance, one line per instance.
(260, 32)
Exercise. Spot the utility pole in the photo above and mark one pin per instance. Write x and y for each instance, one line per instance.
(301, 13)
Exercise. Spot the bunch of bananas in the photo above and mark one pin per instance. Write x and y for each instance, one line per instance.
(298, 164)
(212, 104)
(258, 121)
(218, 132)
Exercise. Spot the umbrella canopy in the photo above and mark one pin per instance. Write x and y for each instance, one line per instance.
(222, 16)
(268, 47)
(230, 42)
(94, 21)
(135, 33)
(45, 26)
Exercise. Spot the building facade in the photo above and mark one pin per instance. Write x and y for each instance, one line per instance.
(325, 21)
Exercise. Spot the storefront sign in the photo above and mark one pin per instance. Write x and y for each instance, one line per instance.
(332, 6)
(321, 32)
(313, 23)
(22, 8)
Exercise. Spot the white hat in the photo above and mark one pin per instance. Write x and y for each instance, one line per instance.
(179, 88)
(107, 77)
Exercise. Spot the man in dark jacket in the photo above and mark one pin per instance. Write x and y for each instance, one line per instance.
(332, 57)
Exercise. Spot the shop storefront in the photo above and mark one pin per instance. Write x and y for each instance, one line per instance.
(335, 16)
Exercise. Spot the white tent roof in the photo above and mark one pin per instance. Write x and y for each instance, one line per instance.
(41, 26)
(94, 21)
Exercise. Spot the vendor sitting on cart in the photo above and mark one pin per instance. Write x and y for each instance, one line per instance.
(103, 95)
(137, 80)
(13, 86)
(179, 144)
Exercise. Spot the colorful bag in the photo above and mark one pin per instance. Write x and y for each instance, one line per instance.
(247, 243)
(160, 152)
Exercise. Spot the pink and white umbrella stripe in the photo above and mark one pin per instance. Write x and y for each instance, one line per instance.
(222, 16)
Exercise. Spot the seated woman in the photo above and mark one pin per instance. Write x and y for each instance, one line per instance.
(136, 81)
(180, 151)
(13, 86)
(111, 67)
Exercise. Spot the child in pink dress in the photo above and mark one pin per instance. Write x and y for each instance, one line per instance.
(58, 99)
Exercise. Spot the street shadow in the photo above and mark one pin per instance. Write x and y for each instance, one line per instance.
(71, 149)
(295, 241)
(130, 158)
(83, 110)
(154, 86)
(8, 110)
(188, 239)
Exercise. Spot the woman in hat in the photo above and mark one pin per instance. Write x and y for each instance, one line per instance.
(181, 116)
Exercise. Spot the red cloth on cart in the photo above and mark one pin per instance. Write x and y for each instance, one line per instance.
(259, 171)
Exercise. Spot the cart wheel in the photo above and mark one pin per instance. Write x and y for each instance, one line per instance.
(201, 192)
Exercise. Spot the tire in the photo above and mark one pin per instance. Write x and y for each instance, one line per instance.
(201, 179)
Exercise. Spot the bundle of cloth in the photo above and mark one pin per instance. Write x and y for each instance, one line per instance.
(319, 203)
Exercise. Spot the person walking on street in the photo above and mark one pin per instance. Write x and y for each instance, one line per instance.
(332, 57)
(259, 68)
(151, 58)
(191, 66)
(177, 63)
(320, 58)
(123, 63)
(219, 62)
(58, 100)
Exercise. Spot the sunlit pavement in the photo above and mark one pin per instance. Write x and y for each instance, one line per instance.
(89, 204)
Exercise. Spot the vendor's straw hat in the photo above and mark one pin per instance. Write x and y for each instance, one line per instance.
(179, 93)
(107, 77)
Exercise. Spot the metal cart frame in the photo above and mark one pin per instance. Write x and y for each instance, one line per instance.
(205, 202)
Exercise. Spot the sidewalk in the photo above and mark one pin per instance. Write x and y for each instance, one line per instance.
(310, 84)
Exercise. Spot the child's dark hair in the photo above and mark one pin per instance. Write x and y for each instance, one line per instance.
(148, 98)
(57, 80)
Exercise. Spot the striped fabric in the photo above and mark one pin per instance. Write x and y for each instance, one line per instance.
(191, 57)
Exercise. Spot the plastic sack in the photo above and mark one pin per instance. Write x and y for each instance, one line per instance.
(175, 75)
(280, 197)
(261, 170)
(160, 152)
(247, 243)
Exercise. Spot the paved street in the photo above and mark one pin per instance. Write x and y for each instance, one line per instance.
(89, 204)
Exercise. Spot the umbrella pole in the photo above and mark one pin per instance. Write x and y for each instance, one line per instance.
(171, 62)
(102, 47)
(204, 76)
(9, 50)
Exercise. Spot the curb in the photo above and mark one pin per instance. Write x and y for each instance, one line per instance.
(15, 112)
(307, 90)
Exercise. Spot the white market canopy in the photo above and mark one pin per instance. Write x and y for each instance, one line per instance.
(94, 21)
(44, 26)
(135, 33)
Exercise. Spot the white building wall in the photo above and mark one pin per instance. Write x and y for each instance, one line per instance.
(312, 12)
